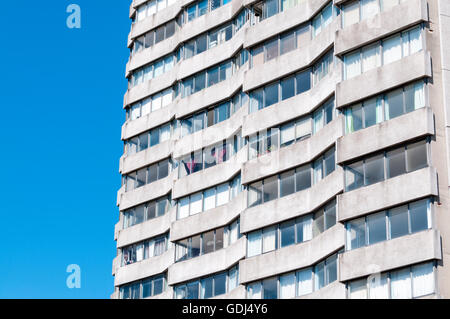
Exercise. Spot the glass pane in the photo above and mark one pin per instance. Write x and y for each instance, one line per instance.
(303, 81)
(370, 57)
(270, 188)
(302, 178)
(398, 221)
(376, 225)
(396, 162)
(378, 286)
(192, 290)
(207, 288)
(141, 177)
(269, 239)
(208, 242)
(201, 44)
(287, 233)
(319, 274)
(287, 286)
(392, 49)
(358, 289)
(200, 82)
(222, 194)
(255, 194)
(195, 246)
(416, 156)
(287, 183)
(369, 8)
(270, 288)
(287, 88)
(196, 203)
(287, 43)
(254, 243)
(209, 201)
(213, 76)
(331, 269)
(356, 234)
(219, 239)
(352, 64)
(329, 162)
(271, 94)
(370, 113)
(419, 216)
(394, 104)
(373, 170)
(304, 282)
(423, 280)
(271, 49)
(401, 284)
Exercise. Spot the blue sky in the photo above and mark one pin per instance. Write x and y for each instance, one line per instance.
(61, 115)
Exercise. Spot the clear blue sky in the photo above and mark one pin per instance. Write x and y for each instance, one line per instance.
(61, 114)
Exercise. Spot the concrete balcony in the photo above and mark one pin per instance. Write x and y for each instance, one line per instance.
(211, 95)
(391, 254)
(237, 293)
(209, 177)
(290, 62)
(335, 290)
(282, 21)
(294, 107)
(208, 220)
(145, 268)
(154, 119)
(211, 135)
(383, 78)
(293, 155)
(146, 193)
(294, 205)
(291, 258)
(146, 157)
(148, 229)
(155, 85)
(406, 127)
(391, 192)
(400, 17)
(208, 264)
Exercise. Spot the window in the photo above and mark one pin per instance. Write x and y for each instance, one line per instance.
(287, 183)
(144, 288)
(351, 14)
(386, 225)
(287, 88)
(287, 286)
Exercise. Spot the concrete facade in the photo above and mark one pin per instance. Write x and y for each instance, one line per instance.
(430, 122)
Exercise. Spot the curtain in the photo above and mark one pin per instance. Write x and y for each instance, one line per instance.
(370, 58)
(352, 64)
(269, 239)
(209, 201)
(307, 228)
(139, 252)
(401, 284)
(196, 203)
(222, 194)
(233, 279)
(254, 244)
(415, 40)
(378, 287)
(419, 95)
(423, 280)
(348, 121)
(151, 248)
(392, 50)
(183, 208)
(156, 103)
(379, 110)
(351, 14)
(305, 285)
(287, 286)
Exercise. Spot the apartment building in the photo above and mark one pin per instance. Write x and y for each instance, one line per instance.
(285, 149)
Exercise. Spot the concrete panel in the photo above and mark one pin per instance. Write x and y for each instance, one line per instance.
(146, 193)
(208, 177)
(383, 135)
(293, 257)
(211, 263)
(391, 192)
(383, 78)
(208, 220)
(159, 117)
(282, 21)
(145, 268)
(146, 157)
(294, 205)
(211, 135)
(335, 290)
(210, 96)
(400, 17)
(390, 254)
(291, 108)
(305, 151)
(148, 229)
(288, 63)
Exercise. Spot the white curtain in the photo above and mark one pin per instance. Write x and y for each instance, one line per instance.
(358, 289)
(254, 291)
(423, 280)
(303, 128)
(234, 232)
(378, 287)
(352, 64)
(183, 207)
(419, 95)
(318, 121)
(209, 201)
(151, 8)
(151, 248)
(287, 133)
(167, 97)
(146, 106)
(254, 244)
(369, 8)
(156, 102)
(269, 239)
(139, 252)
(233, 279)
(392, 50)
(307, 228)
(164, 134)
(379, 110)
(305, 284)
(415, 40)
(141, 13)
(222, 194)
(401, 284)
(287, 286)
(196, 203)
(370, 57)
